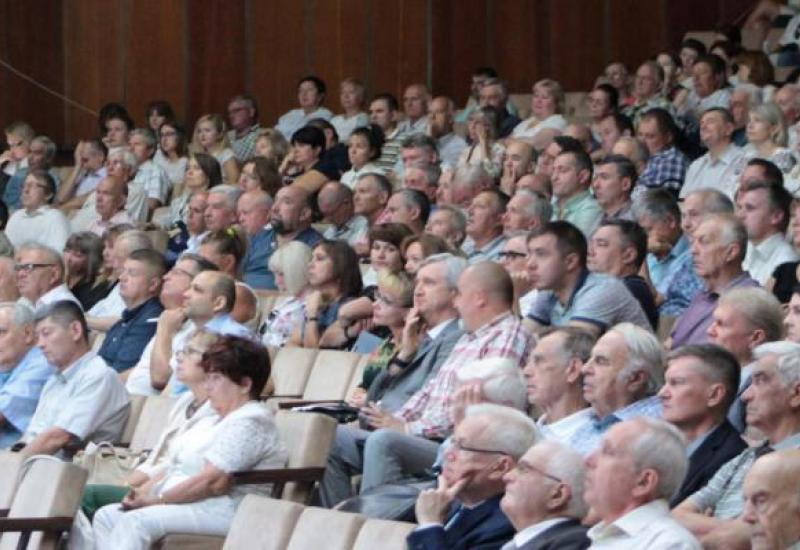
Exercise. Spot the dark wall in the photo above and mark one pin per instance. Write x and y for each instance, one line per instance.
(198, 53)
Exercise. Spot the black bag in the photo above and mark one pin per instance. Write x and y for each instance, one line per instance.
(338, 410)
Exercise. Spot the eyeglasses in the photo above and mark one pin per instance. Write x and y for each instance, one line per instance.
(188, 350)
(458, 445)
(527, 468)
(511, 255)
(27, 268)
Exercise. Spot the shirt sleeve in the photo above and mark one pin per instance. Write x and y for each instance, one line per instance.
(599, 305)
(540, 311)
(708, 497)
(241, 445)
(20, 395)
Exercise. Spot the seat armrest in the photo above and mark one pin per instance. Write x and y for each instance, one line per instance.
(54, 524)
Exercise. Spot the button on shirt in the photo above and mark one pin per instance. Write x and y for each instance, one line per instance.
(710, 172)
(762, 258)
(582, 211)
(86, 399)
(263, 244)
(127, 338)
(20, 389)
(648, 526)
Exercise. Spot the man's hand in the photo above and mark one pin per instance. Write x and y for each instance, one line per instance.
(412, 331)
(171, 320)
(731, 535)
(467, 394)
(378, 418)
(433, 504)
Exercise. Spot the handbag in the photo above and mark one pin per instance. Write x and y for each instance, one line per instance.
(338, 410)
(108, 465)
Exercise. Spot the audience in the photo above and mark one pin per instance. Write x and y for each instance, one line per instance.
(572, 200)
(772, 510)
(36, 221)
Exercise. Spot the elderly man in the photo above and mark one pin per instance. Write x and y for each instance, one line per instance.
(772, 501)
(423, 176)
(36, 220)
(647, 87)
(23, 371)
(619, 382)
(714, 511)
(494, 93)
(139, 287)
(111, 195)
(415, 106)
(464, 185)
(519, 160)
(667, 165)
(544, 499)
(409, 207)
(149, 176)
(253, 211)
(764, 209)
(718, 249)
(371, 193)
(572, 200)
(243, 119)
(335, 202)
(485, 226)
(88, 170)
(614, 179)
(40, 276)
(629, 480)
(698, 204)
(526, 211)
(221, 207)
(464, 510)
(715, 169)
(440, 121)
(85, 401)
(569, 294)
(449, 223)
(700, 384)
(554, 381)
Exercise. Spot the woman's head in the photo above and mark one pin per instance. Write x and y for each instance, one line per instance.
(335, 263)
(670, 63)
(308, 143)
(310, 92)
(603, 101)
(365, 145)
(189, 369)
(272, 145)
(38, 190)
(766, 123)
(394, 298)
(485, 117)
(109, 238)
(418, 247)
(158, 112)
(172, 138)
(83, 255)
(547, 98)
(754, 67)
(210, 131)
(260, 173)
(290, 263)
(384, 246)
(225, 248)
(237, 368)
(202, 172)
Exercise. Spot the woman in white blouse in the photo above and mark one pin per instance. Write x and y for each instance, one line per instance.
(290, 265)
(36, 221)
(546, 120)
(363, 148)
(767, 137)
(484, 150)
(185, 497)
(351, 97)
(210, 137)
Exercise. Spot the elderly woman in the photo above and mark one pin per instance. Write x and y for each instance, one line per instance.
(184, 496)
(83, 257)
(211, 138)
(36, 221)
(202, 173)
(485, 150)
(547, 119)
(289, 263)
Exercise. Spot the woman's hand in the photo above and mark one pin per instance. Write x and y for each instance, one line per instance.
(137, 498)
(314, 303)
(358, 398)
(288, 162)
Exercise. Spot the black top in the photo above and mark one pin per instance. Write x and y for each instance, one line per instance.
(641, 291)
(89, 293)
(785, 276)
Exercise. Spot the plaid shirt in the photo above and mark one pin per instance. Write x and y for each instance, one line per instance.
(427, 412)
(244, 147)
(587, 438)
(666, 168)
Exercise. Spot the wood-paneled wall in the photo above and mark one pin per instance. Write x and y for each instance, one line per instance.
(198, 53)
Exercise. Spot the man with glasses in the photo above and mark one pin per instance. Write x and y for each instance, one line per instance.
(544, 499)
(514, 258)
(40, 276)
(243, 119)
(464, 510)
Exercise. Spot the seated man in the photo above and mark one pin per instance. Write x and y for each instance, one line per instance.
(614, 179)
(715, 169)
(701, 382)
(569, 293)
(149, 176)
(221, 207)
(140, 285)
(619, 382)
(714, 512)
(485, 226)
(23, 371)
(667, 165)
(464, 512)
(519, 160)
(548, 518)
(423, 176)
(85, 401)
(253, 210)
(772, 497)
(526, 211)
(440, 128)
(335, 203)
(572, 200)
(409, 207)
(449, 223)
(40, 276)
(638, 467)
(111, 195)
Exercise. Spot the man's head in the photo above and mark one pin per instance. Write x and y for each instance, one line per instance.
(634, 150)
(556, 251)
(716, 128)
(613, 182)
(196, 214)
(437, 286)
(424, 177)
(479, 76)
(764, 209)
(383, 111)
(291, 212)
(560, 144)
(17, 334)
(117, 128)
(648, 80)
(211, 293)
(548, 482)
(700, 203)
(410, 207)
(700, 384)
(242, 112)
(526, 211)
(485, 291)
(221, 207)
(519, 159)
(335, 202)
(618, 247)
(553, 371)
(177, 280)
(761, 170)
(772, 500)
(658, 213)
(657, 130)
(253, 210)
(572, 174)
(142, 142)
(773, 397)
(744, 319)
(125, 245)
(744, 97)
(111, 195)
(493, 93)
(466, 183)
(419, 148)
(140, 278)
(708, 74)
(718, 246)
(627, 364)
(18, 139)
(39, 269)
(310, 93)
(449, 223)
(638, 461)
(613, 127)
(41, 153)
(484, 447)
(440, 116)
(485, 215)
(415, 101)
(371, 194)
(582, 133)
(62, 333)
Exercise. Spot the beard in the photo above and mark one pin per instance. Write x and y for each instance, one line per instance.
(281, 227)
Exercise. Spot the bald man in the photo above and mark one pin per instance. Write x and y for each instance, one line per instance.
(415, 105)
(111, 195)
(253, 212)
(772, 501)
(440, 127)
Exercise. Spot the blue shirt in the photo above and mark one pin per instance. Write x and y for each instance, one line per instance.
(19, 394)
(666, 168)
(662, 271)
(255, 265)
(126, 340)
(587, 438)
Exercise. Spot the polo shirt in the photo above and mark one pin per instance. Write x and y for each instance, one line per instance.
(255, 265)
(489, 251)
(127, 338)
(762, 258)
(582, 211)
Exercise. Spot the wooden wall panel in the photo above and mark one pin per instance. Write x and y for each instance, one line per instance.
(577, 42)
(517, 59)
(399, 45)
(635, 22)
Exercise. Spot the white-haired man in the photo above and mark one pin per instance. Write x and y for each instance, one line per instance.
(40, 276)
(464, 510)
(772, 501)
(619, 382)
(544, 499)
(629, 481)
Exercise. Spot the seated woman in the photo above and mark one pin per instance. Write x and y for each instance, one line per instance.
(767, 138)
(190, 408)
(171, 152)
(225, 249)
(310, 95)
(260, 173)
(302, 166)
(202, 173)
(351, 97)
(289, 263)
(334, 278)
(83, 257)
(185, 495)
(485, 150)
(37, 221)
(211, 138)
(157, 113)
(272, 146)
(394, 300)
(547, 118)
(363, 149)
(418, 247)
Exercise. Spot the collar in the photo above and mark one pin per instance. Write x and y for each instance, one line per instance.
(665, 152)
(128, 314)
(768, 246)
(698, 441)
(533, 531)
(35, 213)
(638, 519)
(572, 201)
(489, 245)
(680, 247)
(71, 371)
(727, 156)
(438, 329)
(486, 327)
(627, 412)
(582, 278)
(743, 276)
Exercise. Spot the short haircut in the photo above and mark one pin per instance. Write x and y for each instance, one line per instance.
(732, 231)
(511, 431)
(578, 343)
(126, 156)
(717, 364)
(47, 182)
(625, 167)
(380, 180)
(225, 286)
(156, 264)
(656, 68)
(148, 136)
(789, 369)
(431, 170)
(771, 173)
(135, 239)
(389, 99)
(399, 282)
(310, 135)
(723, 112)
(778, 196)
(694, 44)
(622, 122)
(248, 100)
(64, 313)
(454, 266)
(539, 206)
(418, 199)
(500, 198)
(714, 201)
(50, 148)
(318, 83)
(54, 255)
(392, 233)
(237, 358)
(567, 143)
(200, 263)
(495, 81)
(20, 314)
(581, 159)
(759, 307)
(502, 379)
(488, 72)
(714, 61)
(456, 215)
(420, 141)
(659, 204)
(662, 447)
(645, 354)
(632, 235)
(664, 121)
(21, 130)
(569, 239)
(230, 192)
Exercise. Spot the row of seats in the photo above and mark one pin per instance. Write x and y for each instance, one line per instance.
(307, 374)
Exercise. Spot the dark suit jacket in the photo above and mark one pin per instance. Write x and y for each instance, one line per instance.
(483, 528)
(567, 535)
(720, 446)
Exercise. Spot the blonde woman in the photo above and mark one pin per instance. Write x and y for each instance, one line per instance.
(210, 137)
(547, 119)
(290, 265)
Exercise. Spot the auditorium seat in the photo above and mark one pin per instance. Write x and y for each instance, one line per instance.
(262, 524)
(319, 528)
(151, 423)
(291, 368)
(10, 465)
(137, 404)
(160, 216)
(330, 376)
(383, 534)
(160, 239)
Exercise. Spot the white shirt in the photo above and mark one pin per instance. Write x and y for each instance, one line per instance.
(176, 170)
(111, 306)
(135, 206)
(527, 128)
(139, 381)
(532, 531)
(563, 430)
(718, 174)
(450, 148)
(649, 527)
(420, 126)
(55, 294)
(344, 126)
(45, 225)
(295, 119)
(762, 259)
(350, 177)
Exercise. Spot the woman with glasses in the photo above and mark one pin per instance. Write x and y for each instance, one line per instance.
(171, 152)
